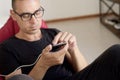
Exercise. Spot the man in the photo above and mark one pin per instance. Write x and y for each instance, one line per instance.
(29, 51)
(32, 44)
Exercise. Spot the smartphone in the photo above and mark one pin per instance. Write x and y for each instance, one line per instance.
(58, 46)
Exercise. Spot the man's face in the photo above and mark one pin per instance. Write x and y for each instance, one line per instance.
(32, 25)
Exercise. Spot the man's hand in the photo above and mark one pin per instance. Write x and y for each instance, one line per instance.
(68, 38)
(49, 59)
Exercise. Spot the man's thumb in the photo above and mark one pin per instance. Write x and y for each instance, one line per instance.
(47, 49)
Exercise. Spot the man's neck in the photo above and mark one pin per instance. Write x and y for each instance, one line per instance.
(29, 37)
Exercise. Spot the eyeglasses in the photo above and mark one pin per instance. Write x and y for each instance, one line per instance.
(27, 16)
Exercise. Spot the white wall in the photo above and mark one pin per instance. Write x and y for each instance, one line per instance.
(4, 11)
(55, 9)
(5, 6)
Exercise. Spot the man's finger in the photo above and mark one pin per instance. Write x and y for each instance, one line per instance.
(57, 37)
(47, 49)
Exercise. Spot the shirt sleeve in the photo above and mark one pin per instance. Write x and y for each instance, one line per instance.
(8, 63)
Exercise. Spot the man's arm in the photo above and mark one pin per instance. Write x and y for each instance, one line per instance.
(77, 60)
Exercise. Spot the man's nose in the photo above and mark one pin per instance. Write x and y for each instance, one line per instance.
(33, 19)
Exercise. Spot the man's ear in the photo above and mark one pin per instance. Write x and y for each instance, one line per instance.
(12, 14)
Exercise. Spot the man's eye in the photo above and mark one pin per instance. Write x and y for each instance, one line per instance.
(26, 15)
(38, 12)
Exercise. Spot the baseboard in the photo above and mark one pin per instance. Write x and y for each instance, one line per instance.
(72, 18)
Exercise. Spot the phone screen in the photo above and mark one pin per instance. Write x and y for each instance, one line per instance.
(57, 46)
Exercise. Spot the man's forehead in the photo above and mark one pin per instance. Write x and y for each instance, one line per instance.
(27, 2)
(27, 5)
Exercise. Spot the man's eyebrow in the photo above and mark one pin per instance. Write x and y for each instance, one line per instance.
(29, 12)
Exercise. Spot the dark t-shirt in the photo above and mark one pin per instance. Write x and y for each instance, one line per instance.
(16, 52)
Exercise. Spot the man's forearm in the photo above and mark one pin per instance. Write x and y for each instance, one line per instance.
(38, 72)
(78, 60)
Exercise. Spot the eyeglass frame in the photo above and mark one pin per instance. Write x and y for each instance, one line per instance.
(31, 14)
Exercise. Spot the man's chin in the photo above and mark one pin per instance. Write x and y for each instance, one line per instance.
(33, 31)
